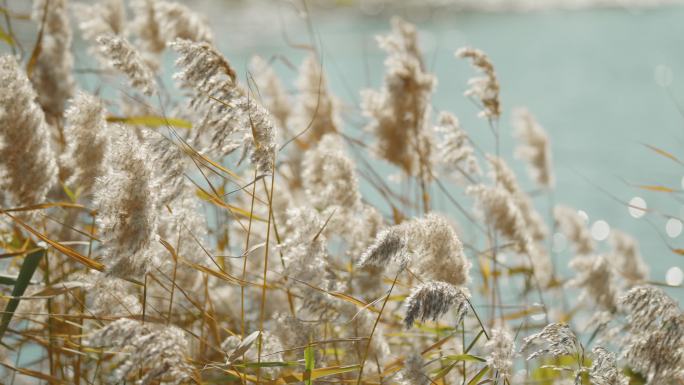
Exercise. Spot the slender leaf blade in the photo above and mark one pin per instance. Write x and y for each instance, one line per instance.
(150, 121)
(23, 280)
(309, 364)
(4, 36)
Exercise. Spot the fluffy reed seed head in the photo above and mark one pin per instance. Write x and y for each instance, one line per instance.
(272, 91)
(413, 372)
(146, 26)
(501, 174)
(317, 109)
(655, 337)
(486, 87)
(389, 246)
(106, 17)
(86, 142)
(184, 226)
(158, 22)
(436, 250)
(52, 75)
(501, 351)
(110, 296)
(304, 249)
(399, 112)
(646, 307)
(127, 207)
(501, 212)
(169, 166)
(534, 147)
(429, 244)
(158, 351)
(596, 277)
(27, 162)
(227, 117)
(329, 175)
(557, 339)
(574, 227)
(432, 300)
(604, 369)
(125, 58)
(625, 251)
(455, 151)
(295, 333)
(658, 354)
(176, 21)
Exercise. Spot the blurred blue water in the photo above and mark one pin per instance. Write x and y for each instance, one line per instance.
(589, 77)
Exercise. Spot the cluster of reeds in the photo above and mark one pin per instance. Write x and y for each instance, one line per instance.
(218, 233)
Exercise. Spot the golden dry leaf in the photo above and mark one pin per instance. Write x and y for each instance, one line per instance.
(91, 263)
(656, 188)
(150, 121)
(662, 152)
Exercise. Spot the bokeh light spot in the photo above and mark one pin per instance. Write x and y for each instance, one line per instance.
(674, 276)
(600, 230)
(673, 227)
(583, 214)
(637, 207)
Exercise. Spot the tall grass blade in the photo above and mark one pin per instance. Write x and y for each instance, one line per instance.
(309, 363)
(23, 280)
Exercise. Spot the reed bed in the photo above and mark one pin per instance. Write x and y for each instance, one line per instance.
(214, 230)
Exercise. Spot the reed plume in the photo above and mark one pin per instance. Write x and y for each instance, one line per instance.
(127, 208)
(503, 214)
(501, 348)
(399, 112)
(27, 162)
(158, 351)
(455, 152)
(534, 147)
(557, 339)
(486, 87)
(317, 110)
(125, 58)
(228, 118)
(574, 227)
(433, 299)
(596, 277)
(52, 75)
(604, 369)
(176, 21)
(271, 91)
(630, 265)
(653, 346)
(502, 174)
(87, 137)
(413, 372)
(106, 17)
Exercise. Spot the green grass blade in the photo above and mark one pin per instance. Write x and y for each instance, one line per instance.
(463, 357)
(309, 364)
(4, 36)
(478, 376)
(23, 280)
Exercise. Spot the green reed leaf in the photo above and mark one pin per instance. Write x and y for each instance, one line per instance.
(23, 280)
(309, 364)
